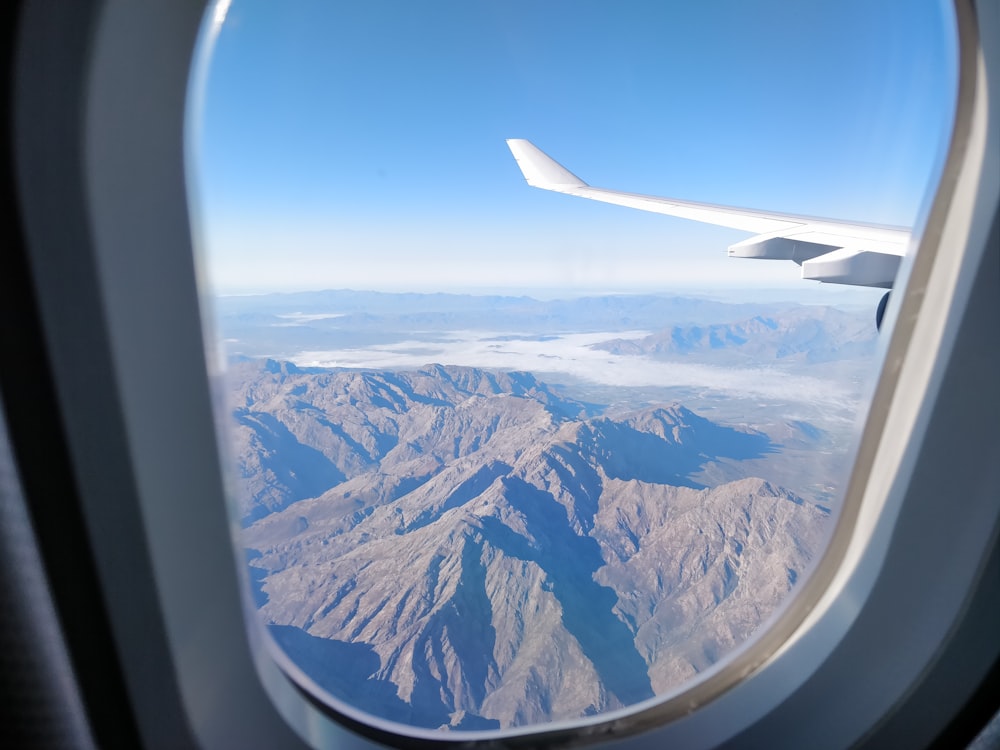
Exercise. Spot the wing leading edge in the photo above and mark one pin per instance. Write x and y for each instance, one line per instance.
(831, 251)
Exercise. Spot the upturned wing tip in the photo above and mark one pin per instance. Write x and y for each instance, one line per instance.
(539, 169)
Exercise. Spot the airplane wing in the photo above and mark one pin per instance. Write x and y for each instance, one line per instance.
(831, 251)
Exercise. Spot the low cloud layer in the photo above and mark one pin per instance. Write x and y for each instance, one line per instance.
(570, 354)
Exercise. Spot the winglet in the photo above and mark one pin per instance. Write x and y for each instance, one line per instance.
(540, 170)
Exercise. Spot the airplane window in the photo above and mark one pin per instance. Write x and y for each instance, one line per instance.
(502, 457)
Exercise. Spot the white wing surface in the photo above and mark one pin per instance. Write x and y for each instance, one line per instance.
(832, 251)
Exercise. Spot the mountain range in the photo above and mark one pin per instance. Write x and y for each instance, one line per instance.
(457, 547)
(286, 325)
(807, 335)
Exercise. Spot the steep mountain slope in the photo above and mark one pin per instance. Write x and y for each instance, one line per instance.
(488, 554)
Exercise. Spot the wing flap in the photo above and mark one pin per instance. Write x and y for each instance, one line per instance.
(853, 266)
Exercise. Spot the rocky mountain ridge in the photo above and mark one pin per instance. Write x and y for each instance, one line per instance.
(479, 551)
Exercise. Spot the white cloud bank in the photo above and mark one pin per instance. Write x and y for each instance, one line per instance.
(571, 354)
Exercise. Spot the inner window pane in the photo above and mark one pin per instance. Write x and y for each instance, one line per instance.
(502, 457)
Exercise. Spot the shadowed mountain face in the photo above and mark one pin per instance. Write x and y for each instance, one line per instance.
(476, 551)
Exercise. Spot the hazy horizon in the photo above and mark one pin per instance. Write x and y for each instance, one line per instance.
(805, 293)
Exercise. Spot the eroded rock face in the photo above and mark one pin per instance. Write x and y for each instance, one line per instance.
(477, 551)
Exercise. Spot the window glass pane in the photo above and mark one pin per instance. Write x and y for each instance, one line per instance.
(500, 456)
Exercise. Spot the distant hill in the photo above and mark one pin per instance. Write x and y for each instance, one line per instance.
(578, 312)
(286, 324)
(462, 548)
(806, 334)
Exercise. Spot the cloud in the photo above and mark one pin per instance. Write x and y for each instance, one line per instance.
(299, 319)
(571, 354)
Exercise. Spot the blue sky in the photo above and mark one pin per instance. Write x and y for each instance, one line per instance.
(361, 144)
